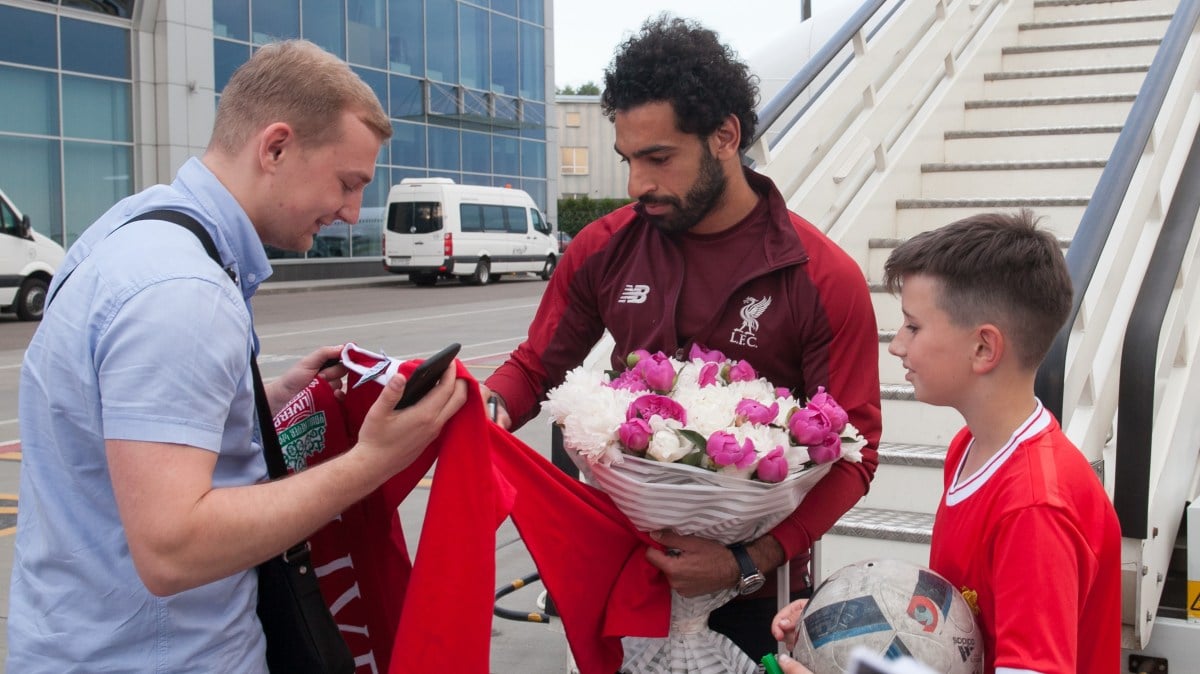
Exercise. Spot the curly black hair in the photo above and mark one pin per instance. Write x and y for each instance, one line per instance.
(680, 62)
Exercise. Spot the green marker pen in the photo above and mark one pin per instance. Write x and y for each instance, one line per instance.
(769, 665)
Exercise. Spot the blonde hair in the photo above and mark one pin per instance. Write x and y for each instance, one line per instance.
(296, 82)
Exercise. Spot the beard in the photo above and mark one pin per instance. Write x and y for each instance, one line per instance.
(699, 201)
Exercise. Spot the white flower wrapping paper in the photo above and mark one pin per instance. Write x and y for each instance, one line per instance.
(694, 501)
(656, 493)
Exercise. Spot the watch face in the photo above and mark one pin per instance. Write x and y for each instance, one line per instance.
(751, 584)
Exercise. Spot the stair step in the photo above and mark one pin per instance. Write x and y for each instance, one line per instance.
(902, 454)
(1128, 27)
(944, 167)
(1046, 82)
(1046, 178)
(1032, 144)
(1090, 110)
(888, 525)
(1057, 10)
(1079, 54)
(1060, 215)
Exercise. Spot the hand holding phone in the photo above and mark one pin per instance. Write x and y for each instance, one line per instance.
(425, 377)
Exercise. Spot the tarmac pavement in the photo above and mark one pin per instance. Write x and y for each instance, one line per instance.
(518, 647)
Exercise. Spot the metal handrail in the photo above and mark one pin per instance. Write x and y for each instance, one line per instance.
(804, 78)
(1101, 213)
(1139, 358)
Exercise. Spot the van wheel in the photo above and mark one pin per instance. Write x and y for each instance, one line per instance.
(424, 280)
(483, 273)
(548, 269)
(31, 299)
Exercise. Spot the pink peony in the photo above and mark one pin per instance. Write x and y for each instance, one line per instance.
(708, 374)
(650, 405)
(657, 371)
(698, 352)
(829, 449)
(742, 371)
(809, 426)
(724, 450)
(781, 392)
(773, 467)
(755, 412)
(833, 411)
(635, 434)
(629, 380)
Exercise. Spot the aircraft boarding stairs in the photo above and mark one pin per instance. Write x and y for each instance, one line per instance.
(926, 111)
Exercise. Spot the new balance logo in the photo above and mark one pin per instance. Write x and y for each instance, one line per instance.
(634, 294)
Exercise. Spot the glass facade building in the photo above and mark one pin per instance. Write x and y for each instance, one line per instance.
(98, 94)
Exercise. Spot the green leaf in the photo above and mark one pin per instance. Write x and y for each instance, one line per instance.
(693, 459)
(697, 440)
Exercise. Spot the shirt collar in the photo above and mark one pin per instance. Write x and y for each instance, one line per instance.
(250, 262)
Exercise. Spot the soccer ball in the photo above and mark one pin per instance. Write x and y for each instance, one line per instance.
(893, 609)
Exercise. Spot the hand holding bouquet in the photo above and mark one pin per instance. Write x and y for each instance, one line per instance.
(704, 447)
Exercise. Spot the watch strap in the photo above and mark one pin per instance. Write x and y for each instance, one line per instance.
(745, 563)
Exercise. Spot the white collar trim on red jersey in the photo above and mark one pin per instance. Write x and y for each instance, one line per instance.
(963, 488)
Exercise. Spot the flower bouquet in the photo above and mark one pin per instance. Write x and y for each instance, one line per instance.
(704, 447)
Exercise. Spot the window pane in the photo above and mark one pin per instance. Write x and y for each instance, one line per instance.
(493, 219)
(470, 217)
(325, 24)
(37, 92)
(443, 99)
(515, 217)
(406, 37)
(275, 20)
(504, 55)
(507, 6)
(30, 175)
(533, 159)
(231, 18)
(533, 10)
(408, 144)
(95, 48)
(97, 176)
(476, 152)
(407, 98)
(506, 157)
(399, 174)
(473, 22)
(121, 8)
(475, 105)
(227, 56)
(533, 63)
(377, 80)
(536, 190)
(442, 35)
(367, 30)
(96, 109)
(443, 148)
(533, 120)
(29, 37)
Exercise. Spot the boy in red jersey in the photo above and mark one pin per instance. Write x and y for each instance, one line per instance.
(1023, 523)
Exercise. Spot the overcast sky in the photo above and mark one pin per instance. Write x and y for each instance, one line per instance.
(587, 31)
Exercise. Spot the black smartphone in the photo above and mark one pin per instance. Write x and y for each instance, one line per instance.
(426, 376)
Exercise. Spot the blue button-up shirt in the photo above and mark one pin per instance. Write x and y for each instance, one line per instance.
(149, 340)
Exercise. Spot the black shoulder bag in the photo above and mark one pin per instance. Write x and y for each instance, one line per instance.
(302, 636)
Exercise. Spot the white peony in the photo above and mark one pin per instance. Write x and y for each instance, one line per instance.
(668, 447)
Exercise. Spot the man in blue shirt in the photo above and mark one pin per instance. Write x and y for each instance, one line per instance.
(144, 501)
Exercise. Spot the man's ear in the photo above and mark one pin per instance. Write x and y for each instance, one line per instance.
(274, 142)
(990, 347)
(724, 142)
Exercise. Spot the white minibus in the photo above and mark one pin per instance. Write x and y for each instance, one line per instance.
(439, 229)
(28, 261)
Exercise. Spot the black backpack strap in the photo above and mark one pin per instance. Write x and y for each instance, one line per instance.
(183, 220)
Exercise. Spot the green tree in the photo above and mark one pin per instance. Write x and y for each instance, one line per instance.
(588, 88)
(574, 213)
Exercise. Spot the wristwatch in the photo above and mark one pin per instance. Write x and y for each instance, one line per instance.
(752, 579)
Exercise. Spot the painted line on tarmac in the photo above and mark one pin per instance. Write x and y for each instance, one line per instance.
(421, 319)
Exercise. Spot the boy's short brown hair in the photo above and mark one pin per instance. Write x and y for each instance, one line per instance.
(296, 82)
(993, 268)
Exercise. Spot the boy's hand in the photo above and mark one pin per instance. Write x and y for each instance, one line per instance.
(786, 623)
